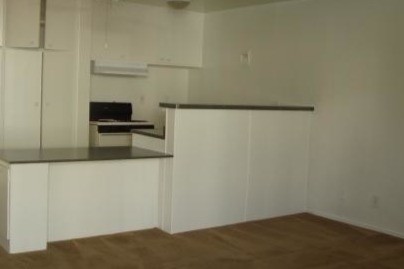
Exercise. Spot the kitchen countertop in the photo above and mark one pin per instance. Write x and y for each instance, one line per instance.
(78, 154)
(156, 133)
(237, 107)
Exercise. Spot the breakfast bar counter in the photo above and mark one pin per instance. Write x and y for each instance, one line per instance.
(78, 154)
(236, 107)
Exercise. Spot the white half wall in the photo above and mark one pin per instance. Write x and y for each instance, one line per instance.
(231, 166)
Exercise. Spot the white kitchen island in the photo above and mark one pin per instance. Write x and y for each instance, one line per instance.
(58, 194)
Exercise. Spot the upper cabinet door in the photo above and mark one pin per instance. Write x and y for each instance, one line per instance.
(61, 24)
(23, 23)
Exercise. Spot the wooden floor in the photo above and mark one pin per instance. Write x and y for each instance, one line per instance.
(299, 241)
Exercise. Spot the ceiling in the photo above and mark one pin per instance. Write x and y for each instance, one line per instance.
(210, 5)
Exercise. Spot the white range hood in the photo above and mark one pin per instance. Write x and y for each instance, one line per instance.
(105, 67)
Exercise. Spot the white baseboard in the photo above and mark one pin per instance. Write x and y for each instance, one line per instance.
(357, 223)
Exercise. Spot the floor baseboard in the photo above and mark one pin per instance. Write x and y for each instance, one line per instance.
(356, 223)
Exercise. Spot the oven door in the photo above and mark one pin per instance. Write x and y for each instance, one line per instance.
(98, 139)
(113, 140)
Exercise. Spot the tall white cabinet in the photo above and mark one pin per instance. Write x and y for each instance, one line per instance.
(22, 98)
(40, 78)
(58, 99)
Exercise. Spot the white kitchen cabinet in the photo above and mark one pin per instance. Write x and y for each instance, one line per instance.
(23, 23)
(278, 163)
(23, 225)
(59, 89)
(4, 187)
(106, 197)
(155, 35)
(44, 202)
(61, 24)
(22, 98)
(123, 31)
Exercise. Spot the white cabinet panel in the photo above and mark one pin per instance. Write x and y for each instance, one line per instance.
(209, 168)
(28, 207)
(94, 198)
(4, 212)
(61, 24)
(22, 104)
(58, 106)
(23, 23)
(278, 163)
(123, 31)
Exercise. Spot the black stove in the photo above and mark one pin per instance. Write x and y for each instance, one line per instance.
(115, 117)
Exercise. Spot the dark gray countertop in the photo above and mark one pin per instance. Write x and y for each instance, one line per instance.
(237, 107)
(156, 133)
(78, 154)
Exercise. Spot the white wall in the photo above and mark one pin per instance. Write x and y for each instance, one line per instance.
(277, 74)
(166, 38)
(347, 58)
(357, 170)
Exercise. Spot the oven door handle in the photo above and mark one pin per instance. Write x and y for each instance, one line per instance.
(111, 134)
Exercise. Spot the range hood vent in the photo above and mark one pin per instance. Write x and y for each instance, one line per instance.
(103, 67)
